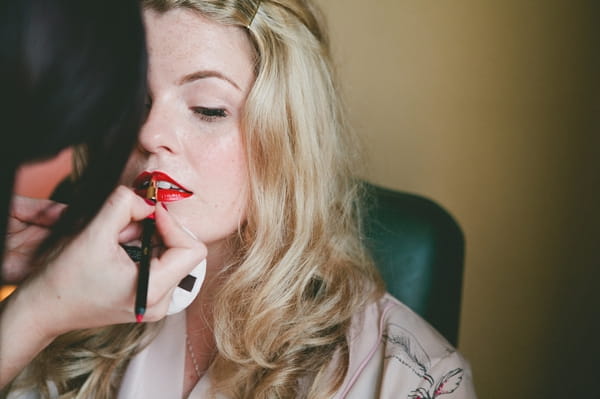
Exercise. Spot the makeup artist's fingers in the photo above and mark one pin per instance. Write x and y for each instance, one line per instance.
(41, 212)
(121, 208)
(91, 282)
(130, 233)
(28, 225)
(183, 252)
(20, 245)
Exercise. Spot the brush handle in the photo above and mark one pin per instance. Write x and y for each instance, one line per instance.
(149, 227)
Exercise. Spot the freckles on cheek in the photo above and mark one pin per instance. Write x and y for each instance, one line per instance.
(228, 159)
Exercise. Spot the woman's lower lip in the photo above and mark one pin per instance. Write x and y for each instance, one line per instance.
(171, 195)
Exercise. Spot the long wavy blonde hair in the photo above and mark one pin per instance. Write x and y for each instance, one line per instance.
(300, 271)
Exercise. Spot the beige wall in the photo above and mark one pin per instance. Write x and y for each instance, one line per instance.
(487, 107)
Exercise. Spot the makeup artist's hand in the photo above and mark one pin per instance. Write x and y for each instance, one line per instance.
(28, 225)
(92, 281)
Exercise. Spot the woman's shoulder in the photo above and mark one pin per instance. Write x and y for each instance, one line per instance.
(395, 353)
(400, 324)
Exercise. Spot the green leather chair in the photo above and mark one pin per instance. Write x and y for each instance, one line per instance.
(419, 250)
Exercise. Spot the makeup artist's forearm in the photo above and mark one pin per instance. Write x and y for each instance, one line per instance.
(21, 335)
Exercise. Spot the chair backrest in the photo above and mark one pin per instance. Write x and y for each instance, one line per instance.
(419, 250)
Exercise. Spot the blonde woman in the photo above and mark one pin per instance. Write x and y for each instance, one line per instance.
(246, 139)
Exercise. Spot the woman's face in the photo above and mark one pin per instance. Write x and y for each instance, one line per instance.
(200, 73)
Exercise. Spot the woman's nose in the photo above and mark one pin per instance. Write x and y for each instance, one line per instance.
(158, 133)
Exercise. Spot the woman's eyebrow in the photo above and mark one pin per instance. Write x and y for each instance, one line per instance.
(191, 77)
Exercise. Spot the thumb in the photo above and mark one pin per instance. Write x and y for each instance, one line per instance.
(183, 251)
(121, 207)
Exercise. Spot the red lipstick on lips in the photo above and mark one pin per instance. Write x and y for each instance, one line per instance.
(168, 190)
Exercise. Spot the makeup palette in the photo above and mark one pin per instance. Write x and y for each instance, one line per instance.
(188, 288)
(186, 291)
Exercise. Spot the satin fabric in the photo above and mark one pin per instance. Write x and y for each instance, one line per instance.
(393, 354)
(157, 371)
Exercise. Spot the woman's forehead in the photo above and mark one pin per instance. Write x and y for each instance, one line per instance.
(182, 42)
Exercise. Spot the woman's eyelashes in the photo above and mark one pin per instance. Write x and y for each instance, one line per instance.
(209, 114)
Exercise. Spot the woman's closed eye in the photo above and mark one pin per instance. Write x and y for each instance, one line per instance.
(209, 114)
